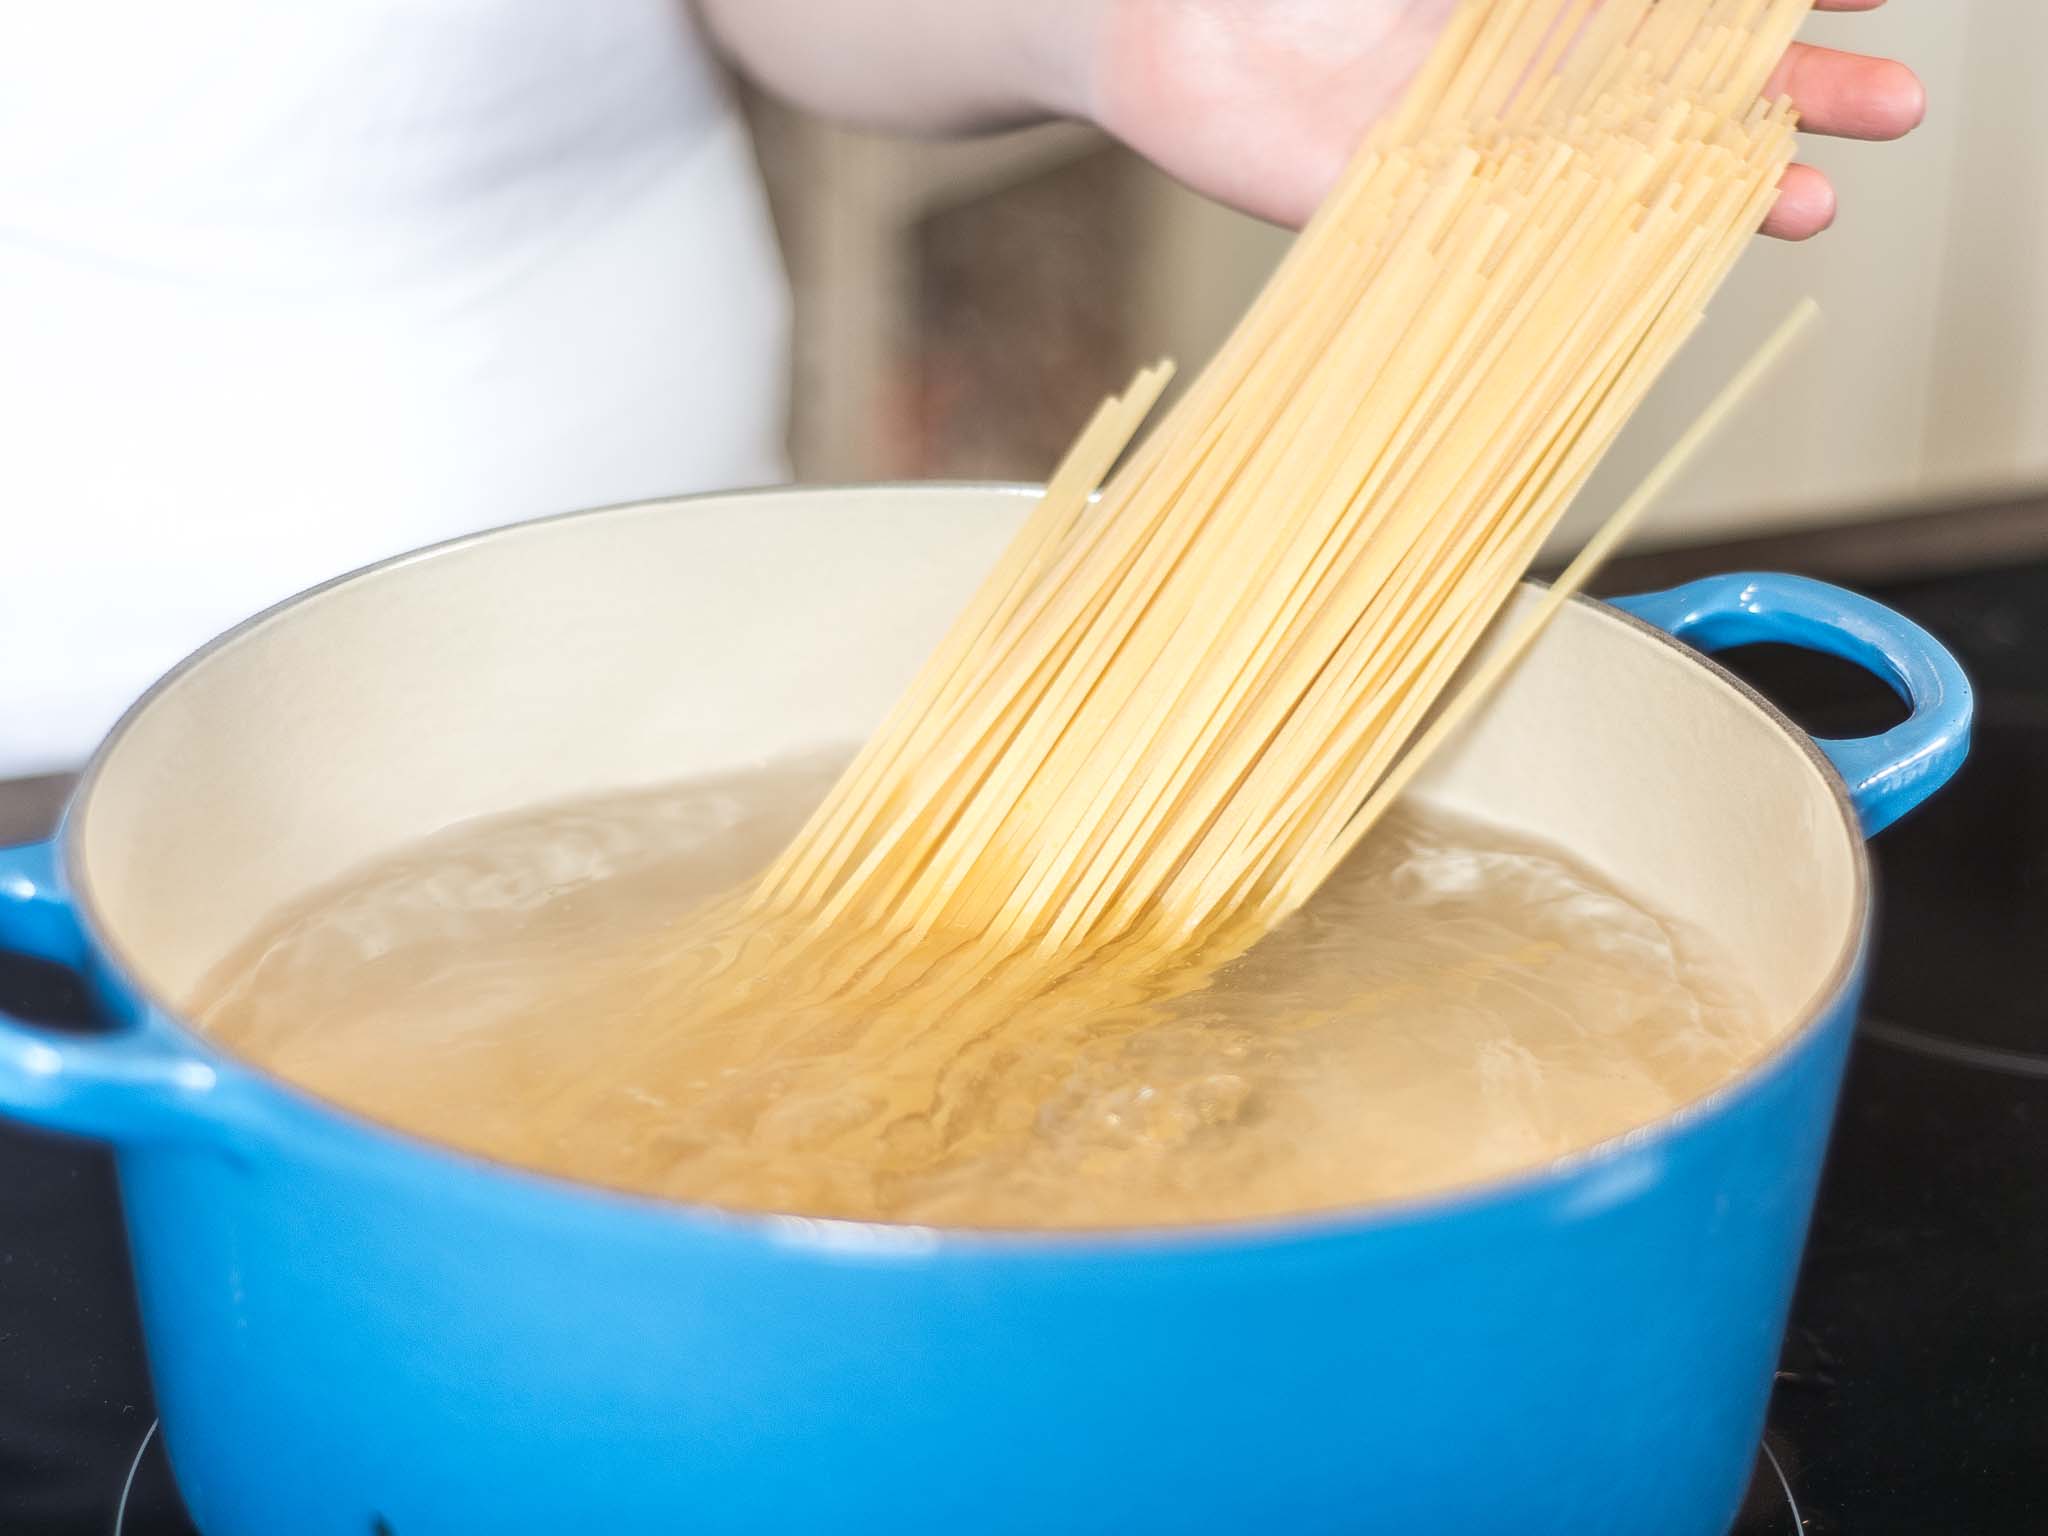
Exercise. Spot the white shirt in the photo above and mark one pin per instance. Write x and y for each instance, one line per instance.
(287, 286)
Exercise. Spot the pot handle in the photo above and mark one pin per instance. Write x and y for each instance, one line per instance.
(131, 1084)
(1887, 775)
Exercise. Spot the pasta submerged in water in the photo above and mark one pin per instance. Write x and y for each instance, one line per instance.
(1172, 712)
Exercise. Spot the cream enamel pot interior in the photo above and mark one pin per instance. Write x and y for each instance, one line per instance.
(352, 1331)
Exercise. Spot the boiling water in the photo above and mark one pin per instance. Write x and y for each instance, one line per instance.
(1455, 1004)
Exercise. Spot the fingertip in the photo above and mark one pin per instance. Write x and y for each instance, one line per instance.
(1848, 95)
(1806, 205)
(1908, 96)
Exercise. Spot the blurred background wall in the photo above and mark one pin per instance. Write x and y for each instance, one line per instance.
(961, 307)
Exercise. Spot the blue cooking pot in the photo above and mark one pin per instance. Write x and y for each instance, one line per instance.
(352, 1331)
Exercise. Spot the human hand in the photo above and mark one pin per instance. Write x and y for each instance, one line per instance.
(1259, 103)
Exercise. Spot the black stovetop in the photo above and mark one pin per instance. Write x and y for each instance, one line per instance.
(1913, 1393)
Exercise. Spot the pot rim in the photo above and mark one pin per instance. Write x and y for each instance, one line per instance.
(849, 1235)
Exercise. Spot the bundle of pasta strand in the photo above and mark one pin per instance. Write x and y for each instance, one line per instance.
(1161, 710)
(1161, 721)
